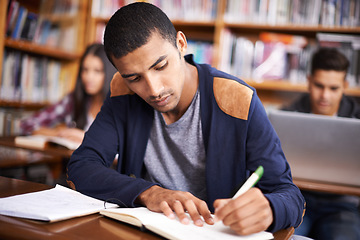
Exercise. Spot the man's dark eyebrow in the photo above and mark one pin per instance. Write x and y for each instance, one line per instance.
(128, 75)
(159, 60)
(134, 74)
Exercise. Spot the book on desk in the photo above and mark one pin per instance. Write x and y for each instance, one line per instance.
(41, 141)
(173, 229)
(56, 204)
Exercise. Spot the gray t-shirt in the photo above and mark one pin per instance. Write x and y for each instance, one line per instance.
(175, 154)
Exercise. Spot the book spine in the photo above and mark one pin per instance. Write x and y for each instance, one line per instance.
(11, 18)
(10, 121)
(202, 51)
(29, 27)
(19, 23)
(28, 78)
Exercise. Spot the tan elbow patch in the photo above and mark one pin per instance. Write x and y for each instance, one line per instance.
(71, 185)
(118, 86)
(233, 97)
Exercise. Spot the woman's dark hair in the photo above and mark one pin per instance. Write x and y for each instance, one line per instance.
(329, 59)
(81, 98)
(131, 26)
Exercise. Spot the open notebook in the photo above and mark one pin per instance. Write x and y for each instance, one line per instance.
(173, 229)
(58, 203)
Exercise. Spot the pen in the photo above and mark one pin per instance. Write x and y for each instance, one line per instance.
(250, 182)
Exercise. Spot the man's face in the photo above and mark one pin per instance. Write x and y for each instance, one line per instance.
(326, 89)
(155, 72)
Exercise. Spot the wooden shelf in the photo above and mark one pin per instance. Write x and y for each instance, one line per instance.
(30, 47)
(277, 85)
(294, 28)
(355, 92)
(286, 86)
(319, 186)
(26, 105)
(193, 23)
(60, 18)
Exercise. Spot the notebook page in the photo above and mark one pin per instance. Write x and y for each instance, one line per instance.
(173, 229)
(51, 205)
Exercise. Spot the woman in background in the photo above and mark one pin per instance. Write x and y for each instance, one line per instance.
(73, 115)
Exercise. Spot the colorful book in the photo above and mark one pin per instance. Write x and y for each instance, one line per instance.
(19, 23)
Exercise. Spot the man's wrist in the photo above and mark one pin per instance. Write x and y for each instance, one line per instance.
(141, 199)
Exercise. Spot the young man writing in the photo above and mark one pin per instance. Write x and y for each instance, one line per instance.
(329, 216)
(187, 135)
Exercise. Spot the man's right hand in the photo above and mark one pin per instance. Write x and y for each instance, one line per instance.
(177, 203)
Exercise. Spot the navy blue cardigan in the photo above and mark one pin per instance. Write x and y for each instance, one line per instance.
(236, 143)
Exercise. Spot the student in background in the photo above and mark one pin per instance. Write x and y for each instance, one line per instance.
(326, 87)
(187, 135)
(72, 116)
(329, 216)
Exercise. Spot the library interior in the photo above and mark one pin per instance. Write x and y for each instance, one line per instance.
(269, 44)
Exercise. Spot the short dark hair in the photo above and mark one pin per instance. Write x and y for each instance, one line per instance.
(131, 26)
(329, 59)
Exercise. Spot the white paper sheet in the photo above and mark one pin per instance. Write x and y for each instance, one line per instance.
(55, 204)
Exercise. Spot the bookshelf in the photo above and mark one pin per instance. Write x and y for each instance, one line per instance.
(280, 91)
(210, 28)
(199, 25)
(204, 23)
(250, 19)
(39, 55)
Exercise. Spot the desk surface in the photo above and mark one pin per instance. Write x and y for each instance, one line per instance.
(310, 185)
(51, 150)
(13, 156)
(92, 226)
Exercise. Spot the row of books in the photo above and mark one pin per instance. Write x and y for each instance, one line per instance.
(27, 78)
(21, 24)
(283, 57)
(60, 7)
(202, 51)
(301, 12)
(10, 121)
(189, 10)
(106, 8)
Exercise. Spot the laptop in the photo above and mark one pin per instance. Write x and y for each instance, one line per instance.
(320, 148)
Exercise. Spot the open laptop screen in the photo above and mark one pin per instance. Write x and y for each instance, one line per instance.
(318, 147)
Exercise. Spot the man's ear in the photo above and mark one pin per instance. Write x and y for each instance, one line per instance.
(181, 43)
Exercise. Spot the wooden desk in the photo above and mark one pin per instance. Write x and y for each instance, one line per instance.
(310, 185)
(93, 226)
(13, 156)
